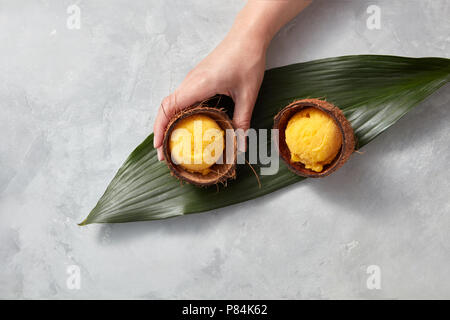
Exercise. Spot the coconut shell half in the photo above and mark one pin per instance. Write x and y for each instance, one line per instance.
(348, 138)
(220, 172)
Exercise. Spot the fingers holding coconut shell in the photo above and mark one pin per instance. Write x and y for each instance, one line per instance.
(315, 139)
(185, 96)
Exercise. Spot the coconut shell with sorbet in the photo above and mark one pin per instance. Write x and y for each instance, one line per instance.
(202, 174)
(315, 139)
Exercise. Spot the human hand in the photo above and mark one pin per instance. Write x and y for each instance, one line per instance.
(235, 68)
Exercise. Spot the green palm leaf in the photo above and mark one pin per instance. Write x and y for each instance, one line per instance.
(373, 91)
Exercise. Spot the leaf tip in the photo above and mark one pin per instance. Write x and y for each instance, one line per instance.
(83, 223)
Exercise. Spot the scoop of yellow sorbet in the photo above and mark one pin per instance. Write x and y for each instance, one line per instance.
(196, 143)
(313, 138)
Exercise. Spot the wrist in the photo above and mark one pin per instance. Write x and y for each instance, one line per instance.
(250, 25)
(260, 20)
(253, 39)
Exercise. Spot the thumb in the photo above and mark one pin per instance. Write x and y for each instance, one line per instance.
(242, 117)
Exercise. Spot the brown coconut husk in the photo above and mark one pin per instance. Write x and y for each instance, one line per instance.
(348, 136)
(219, 173)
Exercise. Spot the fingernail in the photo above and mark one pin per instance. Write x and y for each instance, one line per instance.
(160, 156)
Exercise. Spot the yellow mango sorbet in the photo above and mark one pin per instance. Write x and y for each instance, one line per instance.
(313, 138)
(196, 143)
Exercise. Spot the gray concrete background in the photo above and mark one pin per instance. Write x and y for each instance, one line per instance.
(75, 103)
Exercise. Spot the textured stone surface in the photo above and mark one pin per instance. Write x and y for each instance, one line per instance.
(74, 103)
